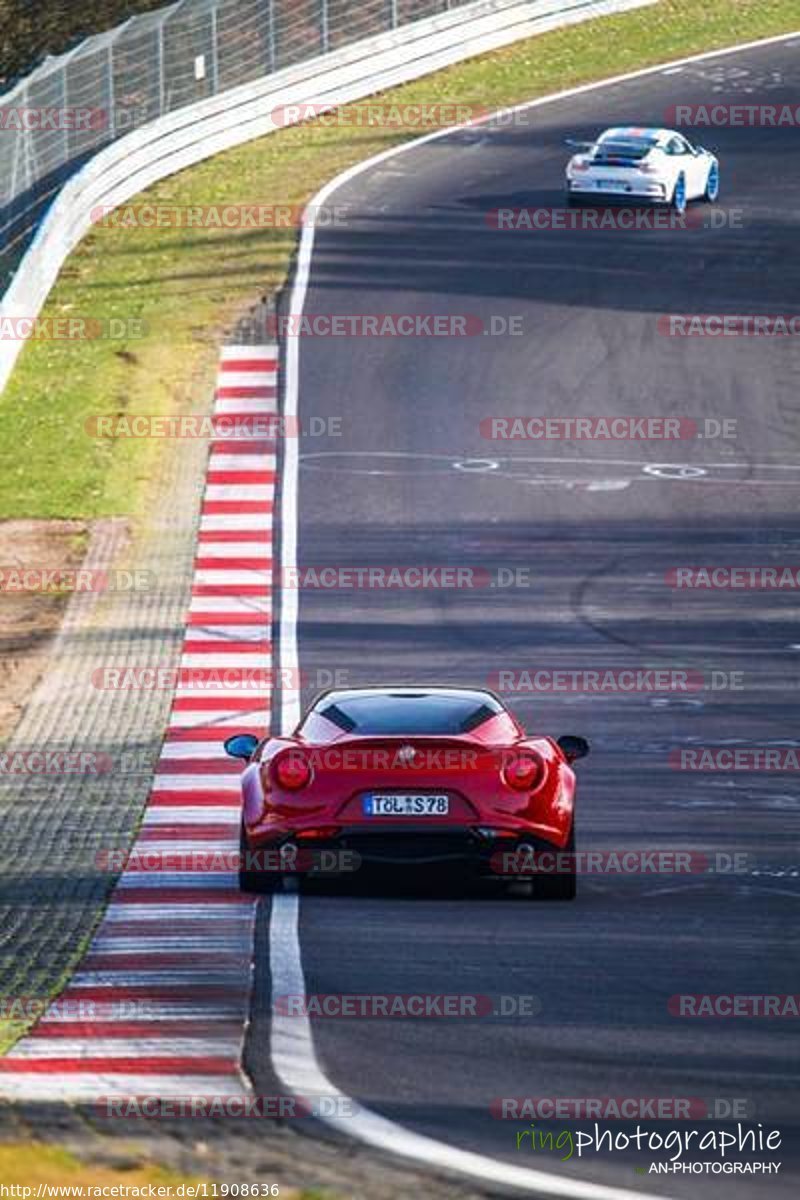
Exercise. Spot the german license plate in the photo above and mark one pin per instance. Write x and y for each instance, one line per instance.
(406, 806)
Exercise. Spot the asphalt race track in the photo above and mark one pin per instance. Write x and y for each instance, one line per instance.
(597, 525)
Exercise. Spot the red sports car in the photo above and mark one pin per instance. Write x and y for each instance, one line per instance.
(401, 777)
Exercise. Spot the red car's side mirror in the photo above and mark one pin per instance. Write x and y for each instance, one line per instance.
(573, 747)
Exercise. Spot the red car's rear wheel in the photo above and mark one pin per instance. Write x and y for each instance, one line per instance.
(251, 879)
(561, 885)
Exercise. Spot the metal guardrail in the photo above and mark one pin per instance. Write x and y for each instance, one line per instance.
(72, 106)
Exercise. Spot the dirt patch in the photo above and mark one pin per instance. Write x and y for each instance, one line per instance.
(32, 603)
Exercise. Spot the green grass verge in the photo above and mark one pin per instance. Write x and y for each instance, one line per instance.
(187, 287)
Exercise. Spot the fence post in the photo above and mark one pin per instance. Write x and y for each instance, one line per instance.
(271, 20)
(393, 14)
(214, 53)
(112, 108)
(63, 75)
(324, 29)
(20, 165)
(162, 83)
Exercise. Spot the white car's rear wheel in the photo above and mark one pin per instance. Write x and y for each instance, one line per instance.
(679, 194)
(712, 183)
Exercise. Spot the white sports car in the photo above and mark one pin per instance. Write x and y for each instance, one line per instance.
(642, 164)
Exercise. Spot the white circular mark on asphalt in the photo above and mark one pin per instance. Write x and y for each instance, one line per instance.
(674, 471)
(477, 464)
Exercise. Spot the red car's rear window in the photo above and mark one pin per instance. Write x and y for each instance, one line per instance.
(406, 714)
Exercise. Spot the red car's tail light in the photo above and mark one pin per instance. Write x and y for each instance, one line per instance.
(292, 771)
(524, 772)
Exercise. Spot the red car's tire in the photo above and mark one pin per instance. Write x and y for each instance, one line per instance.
(561, 886)
(251, 880)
